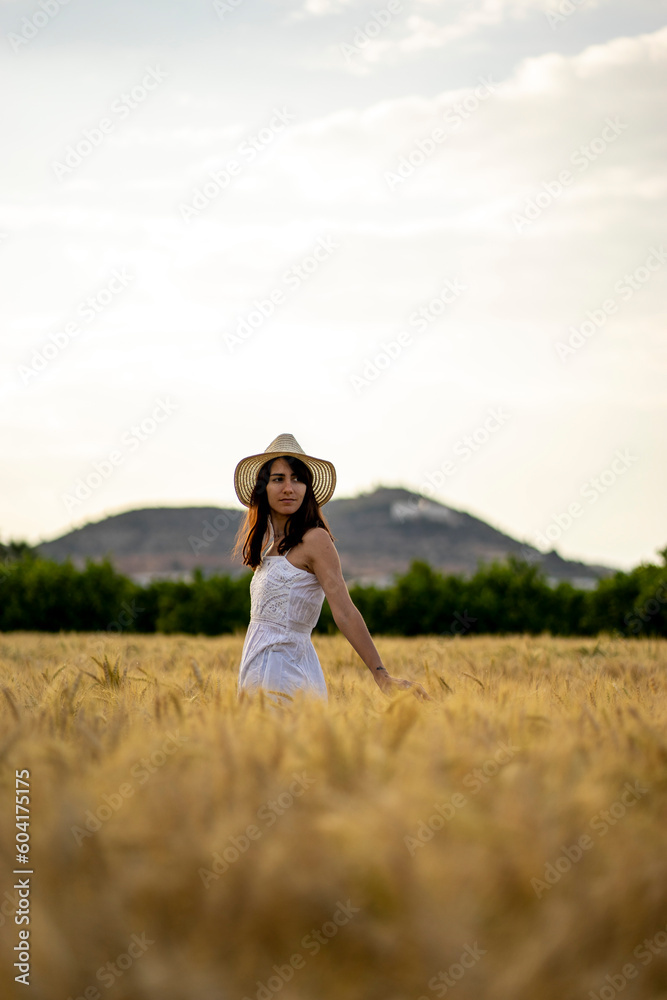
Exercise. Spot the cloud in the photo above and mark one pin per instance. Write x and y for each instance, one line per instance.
(397, 31)
(331, 172)
(515, 133)
(450, 215)
(319, 8)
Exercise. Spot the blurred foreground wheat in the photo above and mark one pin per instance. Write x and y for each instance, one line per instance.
(506, 841)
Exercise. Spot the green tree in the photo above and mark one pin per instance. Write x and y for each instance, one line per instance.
(508, 597)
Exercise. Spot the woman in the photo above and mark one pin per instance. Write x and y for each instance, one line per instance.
(287, 542)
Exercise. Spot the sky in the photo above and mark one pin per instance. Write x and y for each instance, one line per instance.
(426, 238)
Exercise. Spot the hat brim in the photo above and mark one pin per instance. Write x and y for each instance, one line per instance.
(245, 475)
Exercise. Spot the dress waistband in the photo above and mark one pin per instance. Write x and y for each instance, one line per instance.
(289, 626)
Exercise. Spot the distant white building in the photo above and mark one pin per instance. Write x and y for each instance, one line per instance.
(143, 579)
(423, 509)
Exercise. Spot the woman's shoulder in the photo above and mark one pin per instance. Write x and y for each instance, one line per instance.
(317, 537)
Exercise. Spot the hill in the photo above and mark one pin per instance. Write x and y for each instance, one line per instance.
(377, 535)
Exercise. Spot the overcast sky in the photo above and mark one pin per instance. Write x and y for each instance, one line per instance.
(427, 238)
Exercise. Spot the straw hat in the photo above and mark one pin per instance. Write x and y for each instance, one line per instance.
(245, 474)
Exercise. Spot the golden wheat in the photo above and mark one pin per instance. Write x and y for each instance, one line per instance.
(505, 841)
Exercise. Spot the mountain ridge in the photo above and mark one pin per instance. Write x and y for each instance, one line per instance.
(378, 534)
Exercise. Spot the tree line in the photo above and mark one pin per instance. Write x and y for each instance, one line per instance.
(501, 598)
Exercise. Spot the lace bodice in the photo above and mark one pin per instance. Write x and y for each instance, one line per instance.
(283, 594)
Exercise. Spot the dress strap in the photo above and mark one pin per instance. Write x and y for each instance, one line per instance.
(267, 547)
(271, 541)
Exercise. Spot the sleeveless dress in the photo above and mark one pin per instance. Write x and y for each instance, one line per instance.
(278, 655)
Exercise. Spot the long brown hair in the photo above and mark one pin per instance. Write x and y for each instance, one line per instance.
(252, 530)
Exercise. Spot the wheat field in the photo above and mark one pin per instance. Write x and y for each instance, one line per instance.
(505, 841)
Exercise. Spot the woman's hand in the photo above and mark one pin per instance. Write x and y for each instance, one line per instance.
(389, 684)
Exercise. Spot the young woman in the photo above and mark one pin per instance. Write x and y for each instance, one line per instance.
(287, 542)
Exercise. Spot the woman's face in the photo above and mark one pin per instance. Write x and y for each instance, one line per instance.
(284, 490)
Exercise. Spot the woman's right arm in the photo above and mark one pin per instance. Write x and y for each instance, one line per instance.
(322, 556)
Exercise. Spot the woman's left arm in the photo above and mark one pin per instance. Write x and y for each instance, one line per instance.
(323, 558)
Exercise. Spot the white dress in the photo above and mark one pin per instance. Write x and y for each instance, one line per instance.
(278, 655)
